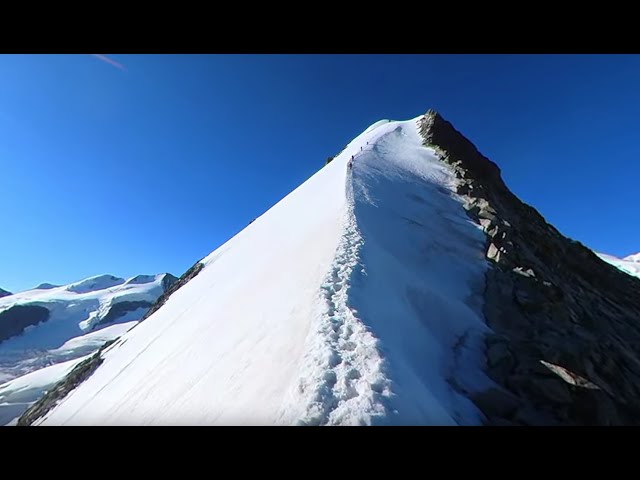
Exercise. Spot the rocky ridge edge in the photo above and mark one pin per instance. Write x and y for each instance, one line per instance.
(566, 342)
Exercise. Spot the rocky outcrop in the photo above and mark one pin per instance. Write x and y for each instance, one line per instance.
(15, 319)
(4, 293)
(79, 374)
(175, 285)
(566, 347)
(168, 280)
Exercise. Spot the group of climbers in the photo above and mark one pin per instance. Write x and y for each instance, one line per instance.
(350, 164)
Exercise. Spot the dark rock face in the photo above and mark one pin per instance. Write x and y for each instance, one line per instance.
(120, 309)
(4, 293)
(79, 374)
(567, 324)
(15, 319)
(167, 281)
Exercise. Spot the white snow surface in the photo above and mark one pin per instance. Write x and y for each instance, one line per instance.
(630, 264)
(355, 300)
(71, 332)
(633, 258)
(77, 308)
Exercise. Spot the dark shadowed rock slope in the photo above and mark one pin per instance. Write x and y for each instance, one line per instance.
(566, 348)
(4, 293)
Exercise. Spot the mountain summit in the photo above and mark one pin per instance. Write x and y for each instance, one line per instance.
(403, 283)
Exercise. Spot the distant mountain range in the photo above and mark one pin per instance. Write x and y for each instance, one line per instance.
(46, 331)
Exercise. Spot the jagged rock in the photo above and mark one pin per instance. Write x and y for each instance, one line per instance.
(464, 188)
(168, 280)
(528, 273)
(437, 131)
(488, 225)
(569, 376)
(175, 285)
(494, 253)
(552, 299)
(4, 293)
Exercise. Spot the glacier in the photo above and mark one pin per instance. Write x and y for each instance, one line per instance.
(82, 317)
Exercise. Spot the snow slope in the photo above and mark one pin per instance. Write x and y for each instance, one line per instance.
(72, 331)
(630, 264)
(355, 300)
(633, 258)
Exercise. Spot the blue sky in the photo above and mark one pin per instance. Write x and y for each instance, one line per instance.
(149, 168)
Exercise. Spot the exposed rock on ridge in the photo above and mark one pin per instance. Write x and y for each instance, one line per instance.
(566, 349)
(79, 374)
(85, 369)
(173, 286)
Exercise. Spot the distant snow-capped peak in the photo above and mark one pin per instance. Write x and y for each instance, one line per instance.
(633, 258)
(46, 331)
(629, 265)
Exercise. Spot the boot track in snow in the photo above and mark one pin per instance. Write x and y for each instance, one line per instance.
(352, 383)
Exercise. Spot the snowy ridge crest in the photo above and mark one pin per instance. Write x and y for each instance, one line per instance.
(357, 315)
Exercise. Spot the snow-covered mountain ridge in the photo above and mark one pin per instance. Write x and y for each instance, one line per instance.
(46, 331)
(633, 258)
(403, 283)
(630, 264)
(281, 326)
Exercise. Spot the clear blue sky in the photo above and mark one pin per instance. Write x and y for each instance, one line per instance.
(148, 169)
